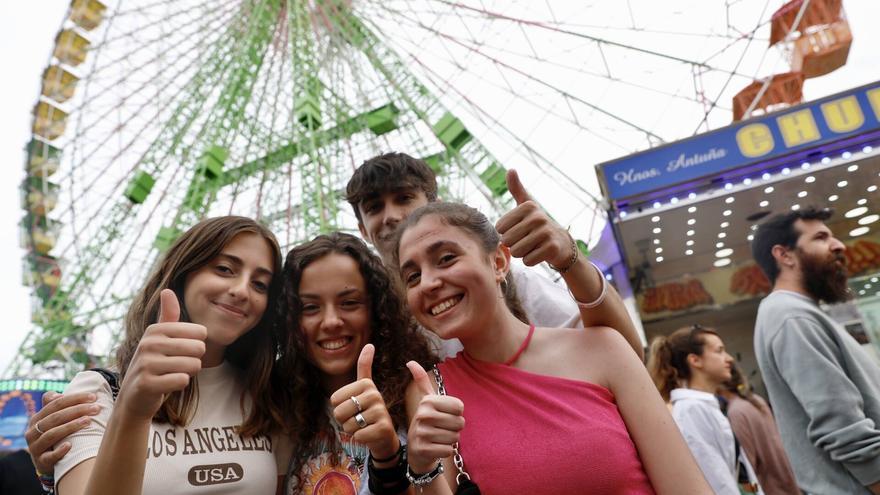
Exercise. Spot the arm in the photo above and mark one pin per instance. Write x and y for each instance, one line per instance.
(533, 236)
(664, 453)
(167, 356)
(808, 359)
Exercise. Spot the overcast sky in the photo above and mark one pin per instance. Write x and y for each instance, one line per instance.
(28, 37)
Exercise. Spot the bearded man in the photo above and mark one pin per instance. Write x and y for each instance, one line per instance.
(824, 388)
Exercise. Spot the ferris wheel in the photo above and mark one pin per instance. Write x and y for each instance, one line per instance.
(154, 114)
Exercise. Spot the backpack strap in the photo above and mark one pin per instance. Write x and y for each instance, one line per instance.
(112, 378)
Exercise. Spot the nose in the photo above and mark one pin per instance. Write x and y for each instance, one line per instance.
(330, 319)
(393, 215)
(238, 287)
(429, 282)
(837, 246)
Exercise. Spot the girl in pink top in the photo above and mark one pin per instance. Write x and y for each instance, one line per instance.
(547, 410)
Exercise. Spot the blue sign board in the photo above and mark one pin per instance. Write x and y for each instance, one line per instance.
(846, 114)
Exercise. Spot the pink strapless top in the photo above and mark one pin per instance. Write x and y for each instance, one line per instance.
(535, 434)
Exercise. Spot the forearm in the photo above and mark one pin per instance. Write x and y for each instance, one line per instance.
(119, 467)
(585, 283)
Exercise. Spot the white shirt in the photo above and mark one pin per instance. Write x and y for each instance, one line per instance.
(710, 438)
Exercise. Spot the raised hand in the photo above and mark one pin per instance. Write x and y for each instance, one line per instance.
(529, 232)
(362, 401)
(60, 416)
(436, 425)
(167, 356)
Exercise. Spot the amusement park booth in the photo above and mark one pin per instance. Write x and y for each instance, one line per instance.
(683, 215)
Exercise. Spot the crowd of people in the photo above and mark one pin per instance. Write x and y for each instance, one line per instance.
(442, 366)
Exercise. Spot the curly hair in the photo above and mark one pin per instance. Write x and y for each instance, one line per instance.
(396, 338)
(253, 353)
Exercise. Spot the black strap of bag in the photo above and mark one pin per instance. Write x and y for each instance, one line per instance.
(463, 479)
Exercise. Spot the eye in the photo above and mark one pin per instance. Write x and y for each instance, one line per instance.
(412, 278)
(351, 303)
(371, 208)
(309, 308)
(223, 269)
(447, 258)
(261, 286)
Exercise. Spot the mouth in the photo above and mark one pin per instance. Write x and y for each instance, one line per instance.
(334, 344)
(445, 305)
(231, 310)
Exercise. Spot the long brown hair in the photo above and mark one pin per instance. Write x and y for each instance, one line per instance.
(253, 353)
(667, 360)
(301, 392)
(476, 225)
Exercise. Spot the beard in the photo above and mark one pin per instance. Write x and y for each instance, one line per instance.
(824, 278)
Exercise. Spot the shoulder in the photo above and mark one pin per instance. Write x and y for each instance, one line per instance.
(89, 381)
(596, 354)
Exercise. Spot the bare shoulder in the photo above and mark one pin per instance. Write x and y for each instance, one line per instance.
(585, 354)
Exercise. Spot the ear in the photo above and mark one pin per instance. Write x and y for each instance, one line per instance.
(784, 257)
(694, 361)
(501, 261)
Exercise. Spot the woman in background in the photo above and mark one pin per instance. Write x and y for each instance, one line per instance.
(754, 426)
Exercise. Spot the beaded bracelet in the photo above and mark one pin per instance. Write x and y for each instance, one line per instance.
(47, 482)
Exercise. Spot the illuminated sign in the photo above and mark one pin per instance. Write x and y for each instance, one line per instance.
(843, 115)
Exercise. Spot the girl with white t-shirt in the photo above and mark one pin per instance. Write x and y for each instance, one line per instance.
(194, 412)
(688, 367)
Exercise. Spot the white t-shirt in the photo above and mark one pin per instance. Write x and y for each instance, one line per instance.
(710, 438)
(547, 304)
(205, 457)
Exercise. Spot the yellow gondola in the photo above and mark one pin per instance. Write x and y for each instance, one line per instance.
(49, 120)
(87, 14)
(43, 159)
(58, 83)
(71, 47)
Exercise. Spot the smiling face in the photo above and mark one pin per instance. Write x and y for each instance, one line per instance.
(381, 214)
(229, 294)
(452, 284)
(335, 316)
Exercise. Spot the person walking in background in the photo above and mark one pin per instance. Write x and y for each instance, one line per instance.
(688, 367)
(754, 427)
(824, 388)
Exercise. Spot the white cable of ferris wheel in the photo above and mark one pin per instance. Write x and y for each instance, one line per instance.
(559, 91)
(559, 65)
(750, 36)
(598, 40)
(496, 124)
(580, 70)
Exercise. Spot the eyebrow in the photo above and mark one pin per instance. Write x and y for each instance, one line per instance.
(238, 262)
(433, 248)
(346, 292)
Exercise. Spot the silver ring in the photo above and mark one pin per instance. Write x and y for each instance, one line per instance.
(37, 427)
(359, 419)
(357, 403)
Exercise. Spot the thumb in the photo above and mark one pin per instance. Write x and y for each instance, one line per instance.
(169, 306)
(365, 362)
(420, 377)
(517, 190)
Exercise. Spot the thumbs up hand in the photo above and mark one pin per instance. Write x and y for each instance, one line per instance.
(360, 409)
(168, 354)
(436, 425)
(529, 232)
